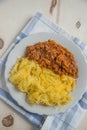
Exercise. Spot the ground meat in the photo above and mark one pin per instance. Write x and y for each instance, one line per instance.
(53, 56)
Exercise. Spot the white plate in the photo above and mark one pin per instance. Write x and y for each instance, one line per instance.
(19, 50)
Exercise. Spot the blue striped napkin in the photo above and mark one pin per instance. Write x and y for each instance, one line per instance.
(63, 121)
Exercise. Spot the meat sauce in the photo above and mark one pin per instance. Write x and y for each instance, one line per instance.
(53, 56)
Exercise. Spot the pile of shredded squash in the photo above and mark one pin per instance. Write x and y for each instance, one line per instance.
(41, 85)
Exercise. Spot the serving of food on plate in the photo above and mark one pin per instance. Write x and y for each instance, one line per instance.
(45, 73)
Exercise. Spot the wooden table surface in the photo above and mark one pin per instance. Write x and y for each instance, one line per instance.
(14, 14)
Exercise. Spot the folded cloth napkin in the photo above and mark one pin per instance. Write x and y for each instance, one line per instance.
(62, 121)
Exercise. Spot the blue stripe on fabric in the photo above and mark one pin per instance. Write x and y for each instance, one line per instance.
(66, 126)
(56, 121)
(32, 24)
(85, 95)
(77, 41)
(69, 117)
(36, 120)
(20, 37)
(60, 115)
(7, 95)
(16, 41)
(38, 15)
(83, 104)
(82, 46)
(71, 113)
